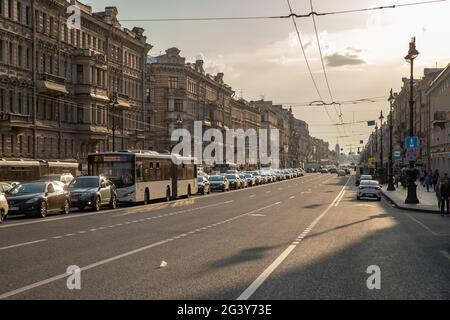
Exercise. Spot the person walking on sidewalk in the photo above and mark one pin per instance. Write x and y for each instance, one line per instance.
(398, 177)
(435, 179)
(445, 195)
(428, 181)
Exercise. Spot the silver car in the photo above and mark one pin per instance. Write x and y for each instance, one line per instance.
(369, 189)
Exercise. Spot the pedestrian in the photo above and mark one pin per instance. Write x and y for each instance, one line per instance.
(428, 181)
(435, 179)
(445, 196)
(422, 176)
(397, 178)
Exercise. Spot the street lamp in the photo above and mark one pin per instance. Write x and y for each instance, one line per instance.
(376, 148)
(381, 147)
(411, 172)
(113, 102)
(391, 186)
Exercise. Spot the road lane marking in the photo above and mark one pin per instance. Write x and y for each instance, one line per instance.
(293, 197)
(421, 224)
(445, 254)
(9, 294)
(23, 244)
(278, 261)
(340, 199)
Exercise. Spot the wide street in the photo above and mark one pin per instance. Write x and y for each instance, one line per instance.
(305, 238)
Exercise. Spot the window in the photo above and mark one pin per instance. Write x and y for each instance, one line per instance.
(2, 46)
(11, 53)
(19, 11)
(10, 9)
(80, 74)
(80, 114)
(27, 15)
(44, 23)
(28, 57)
(29, 144)
(173, 82)
(20, 55)
(2, 100)
(178, 105)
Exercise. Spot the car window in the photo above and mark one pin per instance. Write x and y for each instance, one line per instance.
(58, 187)
(50, 188)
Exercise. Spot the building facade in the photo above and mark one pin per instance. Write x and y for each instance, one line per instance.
(438, 102)
(56, 82)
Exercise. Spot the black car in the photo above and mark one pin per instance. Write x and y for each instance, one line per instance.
(38, 198)
(219, 183)
(93, 192)
(203, 185)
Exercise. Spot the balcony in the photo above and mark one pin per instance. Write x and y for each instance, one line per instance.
(15, 120)
(89, 54)
(123, 100)
(52, 85)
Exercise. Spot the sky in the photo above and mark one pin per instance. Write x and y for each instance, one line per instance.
(363, 52)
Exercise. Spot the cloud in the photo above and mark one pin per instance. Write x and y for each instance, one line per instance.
(347, 59)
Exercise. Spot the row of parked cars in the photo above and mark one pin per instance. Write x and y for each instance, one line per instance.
(56, 195)
(239, 180)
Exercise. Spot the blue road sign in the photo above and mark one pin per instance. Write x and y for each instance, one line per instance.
(412, 142)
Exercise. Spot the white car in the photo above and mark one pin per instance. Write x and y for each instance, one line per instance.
(369, 189)
(3, 207)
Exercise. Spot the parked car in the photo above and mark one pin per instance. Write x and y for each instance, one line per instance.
(333, 170)
(235, 181)
(244, 181)
(5, 187)
(3, 207)
(362, 178)
(323, 170)
(38, 198)
(93, 192)
(218, 182)
(203, 186)
(369, 189)
(256, 175)
(65, 178)
(251, 180)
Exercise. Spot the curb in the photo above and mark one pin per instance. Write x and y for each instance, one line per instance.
(408, 208)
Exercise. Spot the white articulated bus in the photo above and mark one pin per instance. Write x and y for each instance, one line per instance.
(141, 176)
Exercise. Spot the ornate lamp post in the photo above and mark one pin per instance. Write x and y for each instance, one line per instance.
(381, 148)
(412, 172)
(391, 186)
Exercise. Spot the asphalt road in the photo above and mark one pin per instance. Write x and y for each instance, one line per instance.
(306, 238)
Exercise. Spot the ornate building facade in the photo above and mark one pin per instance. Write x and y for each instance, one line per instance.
(56, 82)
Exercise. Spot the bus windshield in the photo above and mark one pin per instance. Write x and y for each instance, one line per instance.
(120, 170)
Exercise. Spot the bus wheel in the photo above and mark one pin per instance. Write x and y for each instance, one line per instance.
(189, 192)
(168, 194)
(146, 197)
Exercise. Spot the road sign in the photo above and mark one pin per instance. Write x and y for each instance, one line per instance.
(397, 154)
(412, 142)
(412, 154)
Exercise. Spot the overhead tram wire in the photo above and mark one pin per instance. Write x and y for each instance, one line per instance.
(312, 13)
(306, 58)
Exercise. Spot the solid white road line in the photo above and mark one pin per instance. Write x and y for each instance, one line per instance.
(23, 244)
(126, 254)
(340, 199)
(278, 261)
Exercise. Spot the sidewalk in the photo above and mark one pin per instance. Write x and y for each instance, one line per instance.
(428, 200)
